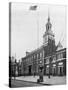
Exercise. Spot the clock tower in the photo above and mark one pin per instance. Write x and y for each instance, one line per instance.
(48, 38)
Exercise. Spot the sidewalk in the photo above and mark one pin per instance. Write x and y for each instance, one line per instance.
(54, 80)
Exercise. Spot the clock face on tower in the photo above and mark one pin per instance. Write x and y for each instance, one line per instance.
(45, 40)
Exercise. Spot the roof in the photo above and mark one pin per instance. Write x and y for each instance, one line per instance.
(34, 51)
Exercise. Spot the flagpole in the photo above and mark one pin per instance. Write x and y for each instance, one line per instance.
(37, 20)
(34, 8)
(37, 29)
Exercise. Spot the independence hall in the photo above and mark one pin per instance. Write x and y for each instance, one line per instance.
(49, 57)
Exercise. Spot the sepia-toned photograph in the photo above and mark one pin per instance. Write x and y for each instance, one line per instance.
(37, 44)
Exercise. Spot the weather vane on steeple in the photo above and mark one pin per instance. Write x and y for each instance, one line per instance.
(48, 15)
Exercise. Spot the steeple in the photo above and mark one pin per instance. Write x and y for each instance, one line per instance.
(48, 24)
(48, 19)
(48, 16)
(48, 38)
(48, 34)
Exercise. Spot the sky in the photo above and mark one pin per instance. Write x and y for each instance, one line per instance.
(28, 27)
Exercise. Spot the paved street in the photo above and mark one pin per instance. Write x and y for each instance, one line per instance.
(29, 81)
(53, 80)
(19, 83)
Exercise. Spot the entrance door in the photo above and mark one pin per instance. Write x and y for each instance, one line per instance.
(61, 70)
(30, 70)
(54, 70)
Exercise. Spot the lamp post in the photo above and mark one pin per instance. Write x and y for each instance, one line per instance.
(10, 71)
(50, 66)
(15, 69)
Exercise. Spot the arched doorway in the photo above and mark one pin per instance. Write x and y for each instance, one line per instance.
(29, 69)
(60, 69)
(54, 69)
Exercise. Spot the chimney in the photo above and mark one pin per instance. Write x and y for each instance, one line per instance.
(27, 53)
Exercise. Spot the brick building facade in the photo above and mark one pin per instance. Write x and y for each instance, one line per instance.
(50, 57)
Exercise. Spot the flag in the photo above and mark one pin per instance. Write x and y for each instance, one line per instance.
(33, 7)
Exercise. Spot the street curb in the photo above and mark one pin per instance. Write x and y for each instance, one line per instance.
(33, 82)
